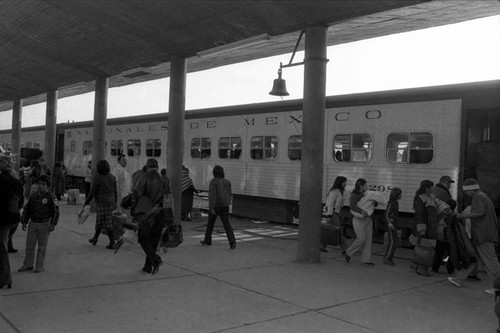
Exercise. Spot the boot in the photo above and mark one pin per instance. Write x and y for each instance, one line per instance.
(94, 239)
(111, 237)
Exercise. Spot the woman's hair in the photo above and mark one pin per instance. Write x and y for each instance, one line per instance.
(424, 184)
(218, 171)
(6, 163)
(395, 193)
(339, 181)
(103, 167)
(360, 182)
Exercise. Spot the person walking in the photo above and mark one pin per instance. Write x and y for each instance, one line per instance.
(442, 192)
(188, 190)
(362, 224)
(42, 214)
(105, 193)
(40, 169)
(391, 219)
(426, 220)
(123, 179)
(219, 199)
(11, 201)
(152, 193)
(484, 233)
(334, 204)
(59, 186)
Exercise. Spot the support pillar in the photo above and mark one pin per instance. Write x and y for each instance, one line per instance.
(50, 129)
(175, 140)
(311, 172)
(100, 117)
(15, 147)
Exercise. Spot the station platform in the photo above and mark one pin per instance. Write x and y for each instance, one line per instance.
(258, 287)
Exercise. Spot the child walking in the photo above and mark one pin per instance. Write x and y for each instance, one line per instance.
(42, 213)
(391, 218)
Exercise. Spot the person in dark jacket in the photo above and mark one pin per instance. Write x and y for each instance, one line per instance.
(484, 232)
(40, 169)
(391, 218)
(442, 192)
(188, 190)
(219, 199)
(11, 201)
(59, 186)
(151, 190)
(42, 213)
(104, 191)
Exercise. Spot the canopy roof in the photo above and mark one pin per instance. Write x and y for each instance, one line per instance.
(65, 45)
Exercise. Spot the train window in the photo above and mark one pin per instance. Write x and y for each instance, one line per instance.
(73, 144)
(133, 147)
(410, 147)
(201, 147)
(352, 147)
(36, 145)
(153, 147)
(87, 147)
(264, 147)
(295, 147)
(116, 147)
(230, 147)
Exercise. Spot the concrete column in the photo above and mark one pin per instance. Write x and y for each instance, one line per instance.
(50, 129)
(100, 117)
(175, 140)
(311, 172)
(15, 147)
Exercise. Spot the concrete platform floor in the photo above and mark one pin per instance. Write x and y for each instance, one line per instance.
(258, 287)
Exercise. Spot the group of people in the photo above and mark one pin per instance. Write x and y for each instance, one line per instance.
(148, 201)
(467, 239)
(39, 217)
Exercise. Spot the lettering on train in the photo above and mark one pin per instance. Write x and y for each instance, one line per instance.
(380, 188)
(271, 120)
(295, 119)
(207, 124)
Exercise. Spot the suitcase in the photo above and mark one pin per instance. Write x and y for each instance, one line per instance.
(330, 234)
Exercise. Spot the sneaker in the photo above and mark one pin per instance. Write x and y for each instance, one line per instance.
(474, 277)
(39, 270)
(232, 246)
(24, 269)
(490, 291)
(454, 282)
(347, 258)
(389, 262)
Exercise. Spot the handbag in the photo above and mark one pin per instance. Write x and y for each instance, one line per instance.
(423, 255)
(172, 235)
(83, 214)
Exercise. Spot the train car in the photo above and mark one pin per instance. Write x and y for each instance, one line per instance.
(392, 139)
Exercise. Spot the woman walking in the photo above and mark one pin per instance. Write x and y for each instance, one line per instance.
(59, 186)
(334, 204)
(362, 224)
(426, 220)
(219, 198)
(11, 201)
(105, 193)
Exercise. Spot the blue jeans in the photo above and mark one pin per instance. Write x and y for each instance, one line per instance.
(37, 233)
(223, 212)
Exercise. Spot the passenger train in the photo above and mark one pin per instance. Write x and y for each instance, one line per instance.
(391, 138)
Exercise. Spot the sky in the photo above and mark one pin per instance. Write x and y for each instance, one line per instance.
(463, 52)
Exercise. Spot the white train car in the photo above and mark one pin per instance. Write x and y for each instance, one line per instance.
(392, 139)
(33, 137)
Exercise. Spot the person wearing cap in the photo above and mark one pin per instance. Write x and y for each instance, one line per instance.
(484, 232)
(151, 190)
(442, 191)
